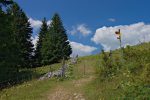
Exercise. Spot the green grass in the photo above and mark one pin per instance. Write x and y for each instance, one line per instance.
(85, 66)
(128, 78)
(39, 90)
(35, 73)
(45, 69)
(31, 89)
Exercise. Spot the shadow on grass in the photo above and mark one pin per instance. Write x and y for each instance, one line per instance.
(18, 78)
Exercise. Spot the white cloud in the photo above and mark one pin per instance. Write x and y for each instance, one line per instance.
(131, 35)
(36, 24)
(81, 50)
(82, 28)
(49, 22)
(34, 40)
(77, 48)
(73, 31)
(111, 19)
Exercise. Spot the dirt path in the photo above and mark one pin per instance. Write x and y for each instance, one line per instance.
(63, 94)
(73, 89)
(72, 92)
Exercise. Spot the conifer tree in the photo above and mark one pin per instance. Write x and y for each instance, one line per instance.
(46, 50)
(22, 32)
(62, 46)
(55, 45)
(8, 53)
(43, 31)
(6, 2)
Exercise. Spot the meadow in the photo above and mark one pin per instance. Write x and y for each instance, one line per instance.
(103, 76)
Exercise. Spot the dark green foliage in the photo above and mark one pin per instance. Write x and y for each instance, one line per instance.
(6, 2)
(16, 48)
(47, 50)
(137, 92)
(15, 41)
(39, 45)
(108, 66)
(69, 72)
(8, 51)
(146, 74)
(61, 42)
(104, 57)
(55, 44)
(22, 32)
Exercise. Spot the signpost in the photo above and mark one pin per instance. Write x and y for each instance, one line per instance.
(118, 33)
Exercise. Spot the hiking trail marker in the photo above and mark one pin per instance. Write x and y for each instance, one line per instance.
(118, 33)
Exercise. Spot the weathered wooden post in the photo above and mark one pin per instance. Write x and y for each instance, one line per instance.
(84, 68)
(63, 67)
(76, 59)
(110, 57)
(118, 33)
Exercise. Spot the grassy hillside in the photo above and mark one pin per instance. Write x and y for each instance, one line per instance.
(30, 88)
(121, 74)
(77, 77)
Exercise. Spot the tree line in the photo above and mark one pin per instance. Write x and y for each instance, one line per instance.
(16, 48)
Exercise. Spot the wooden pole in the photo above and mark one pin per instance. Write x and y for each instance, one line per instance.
(118, 33)
(63, 66)
(122, 59)
(120, 39)
(84, 67)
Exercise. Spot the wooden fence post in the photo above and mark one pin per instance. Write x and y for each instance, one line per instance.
(63, 67)
(84, 67)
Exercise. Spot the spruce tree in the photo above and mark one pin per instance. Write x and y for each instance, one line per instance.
(22, 32)
(6, 2)
(47, 54)
(43, 31)
(8, 53)
(55, 45)
(62, 48)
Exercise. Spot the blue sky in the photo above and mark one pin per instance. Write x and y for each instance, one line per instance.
(84, 20)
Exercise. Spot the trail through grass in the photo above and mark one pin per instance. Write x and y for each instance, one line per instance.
(52, 89)
(125, 81)
(73, 89)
